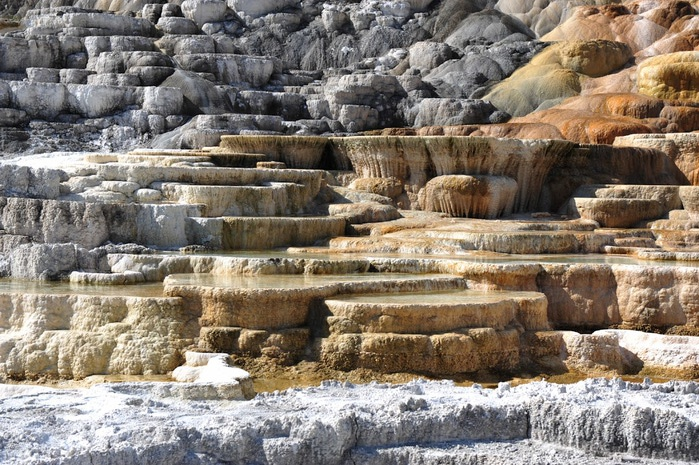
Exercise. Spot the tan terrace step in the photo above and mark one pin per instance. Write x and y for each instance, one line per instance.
(226, 158)
(278, 315)
(269, 199)
(678, 239)
(615, 213)
(69, 331)
(447, 332)
(244, 233)
(285, 301)
(437, 312)
(440, 354)
(621, 205)
(215, 156)
(421, 241)
(205, 175)
(296, 151)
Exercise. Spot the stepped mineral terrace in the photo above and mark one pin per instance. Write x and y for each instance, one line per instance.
(441, 256)
(212, 198)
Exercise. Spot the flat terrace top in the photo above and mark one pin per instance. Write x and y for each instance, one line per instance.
(475, 256)
(293, 281)
(431, 298)
(17, 286)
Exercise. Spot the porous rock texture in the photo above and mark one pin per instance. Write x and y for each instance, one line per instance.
(671, 76)
(342, 423)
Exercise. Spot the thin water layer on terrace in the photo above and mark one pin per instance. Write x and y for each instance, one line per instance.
(292, 281)
(18, 286)
(467, 256)
(446, 297)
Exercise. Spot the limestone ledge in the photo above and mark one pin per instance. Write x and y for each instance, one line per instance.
(580, 295)
(72, 336)
(58, 335)
(441, 354)
(625, 351)
(680, 147)
(288, 301)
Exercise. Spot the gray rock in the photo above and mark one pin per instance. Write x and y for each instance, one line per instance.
(231, 68)
(43, 261)
(364, 101)
(289, 106)
(163, 101)
(206, 130)
(449, 16)
(174, 25)
(43, 75)
(592, 422)
(74, 76)
(204, 11)
(151, 75)
(40, 100)
(24, 181)
(449, 112)
(5, 94)
(51, 221)
(9, 117)
(114, 79)
(94, 45)
(186, 45)
(199, 95)
(428, 55)
(17, 54)
(152, 12)
(93, 101)
(487, 27)
(120, 62)
(258, 8)
(334, 19)
(460, 78)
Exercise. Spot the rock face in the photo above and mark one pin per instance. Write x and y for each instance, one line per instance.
(540, 168)
(62, 217)
(470, 196)
(55, 218)
(267, 82)
(74, 336)
(681, 148)
(415, 160)
(556, 73)
(473, 331)
(672, 76)
(620, 206)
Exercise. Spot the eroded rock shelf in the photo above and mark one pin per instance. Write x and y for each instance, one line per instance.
(103, 219)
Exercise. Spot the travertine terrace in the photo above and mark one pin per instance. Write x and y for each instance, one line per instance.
(360, 190)
(342, 290)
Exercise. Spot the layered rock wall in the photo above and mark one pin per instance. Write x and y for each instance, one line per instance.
(415, 160)
(547, 172)
(74, 336)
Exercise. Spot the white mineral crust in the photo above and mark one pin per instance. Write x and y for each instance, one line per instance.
(592, 422)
